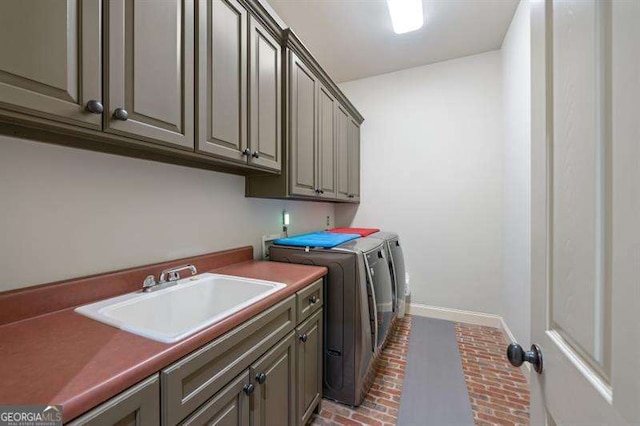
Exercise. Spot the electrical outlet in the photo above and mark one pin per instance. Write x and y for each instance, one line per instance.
(328, 221)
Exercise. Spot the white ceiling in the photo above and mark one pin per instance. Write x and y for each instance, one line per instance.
(354, 39)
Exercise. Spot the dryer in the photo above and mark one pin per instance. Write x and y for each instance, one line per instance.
(358, 311)
(397, 267)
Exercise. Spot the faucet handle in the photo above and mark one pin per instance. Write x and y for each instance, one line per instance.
(149, 282)
(174, 276)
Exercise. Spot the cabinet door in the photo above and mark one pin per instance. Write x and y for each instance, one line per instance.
(326, 143)
(302, 128)
(273, 402)
(342, 158)
(50, 59)
(222, 79)
(229, 407)
(354, 161)
(309, 361)
(139, 405)
(150, 73)
(265, 107)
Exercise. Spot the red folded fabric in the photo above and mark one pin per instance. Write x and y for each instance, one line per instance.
(361, 231)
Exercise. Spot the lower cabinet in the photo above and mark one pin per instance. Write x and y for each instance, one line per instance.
(229, 407)
(274, 376)
(309, 360)
(265, 372)
(138, 405)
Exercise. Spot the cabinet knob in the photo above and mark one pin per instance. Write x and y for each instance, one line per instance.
(321, 191)
(317, 191)
(94, 107)
(303, 337)
(248, 389)
(313, 299)
(246, 152)
(261, 378)
(350, 195)
(255, 154)
(121, 114)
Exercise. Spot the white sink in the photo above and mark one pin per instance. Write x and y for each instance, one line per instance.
(176, 312)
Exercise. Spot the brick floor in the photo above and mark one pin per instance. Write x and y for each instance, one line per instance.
(498, 392)
(380, 406)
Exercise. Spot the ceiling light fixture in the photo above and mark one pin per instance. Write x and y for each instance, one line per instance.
(406, 15)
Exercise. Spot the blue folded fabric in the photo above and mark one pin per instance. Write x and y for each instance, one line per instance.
(316, 239)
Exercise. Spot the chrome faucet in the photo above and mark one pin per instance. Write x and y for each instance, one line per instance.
(168, 277)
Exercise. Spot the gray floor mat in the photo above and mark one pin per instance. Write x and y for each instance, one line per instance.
(434, 390)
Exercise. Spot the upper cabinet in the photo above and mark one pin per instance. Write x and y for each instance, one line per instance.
(150, 70)
(215, 84)
(222, 79)
(303, 118)
(265, 97)
(239, 86)
(321, 150)
(50, 60)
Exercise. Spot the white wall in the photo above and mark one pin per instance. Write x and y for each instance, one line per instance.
(517, 173)
(432, 167)
(66, 213)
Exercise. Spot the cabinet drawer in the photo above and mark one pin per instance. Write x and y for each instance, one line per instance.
(190, 382)
(138, 405)
(309, 300)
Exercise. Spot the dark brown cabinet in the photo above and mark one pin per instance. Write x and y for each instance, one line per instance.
(320, 154)
(303, 89)
(326, 179)
(222, 95)
(353, 138)
(230, 406)
(274, 378)
(239, 86)
(149, 75)
(309, 358)
(266, 371)
(265, 95)
(139, 405)
(50, 59)
(343, 162)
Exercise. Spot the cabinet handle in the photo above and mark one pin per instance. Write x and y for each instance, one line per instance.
(248, 389)
(350, 195)
(255, 154)
(303, 337)
(313, 299)
(94, 107)
(246, 152)
(121, 114)
(261, 378)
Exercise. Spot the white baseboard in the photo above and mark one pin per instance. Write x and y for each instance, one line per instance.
(467, 317)
(456, 315)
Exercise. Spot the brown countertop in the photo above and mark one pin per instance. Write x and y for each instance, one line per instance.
(65, 358)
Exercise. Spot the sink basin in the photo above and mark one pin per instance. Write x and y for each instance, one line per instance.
(176, 312)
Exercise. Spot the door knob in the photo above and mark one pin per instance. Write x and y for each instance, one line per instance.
(517, 356)
(261, 378)
(248, 389)
(94, 107)
(255, 154)
(121, 114)
(303, 337)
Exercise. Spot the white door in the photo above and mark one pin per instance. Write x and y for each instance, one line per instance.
(586, 211)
